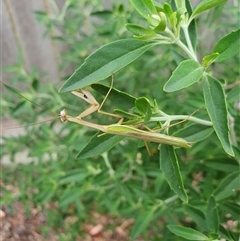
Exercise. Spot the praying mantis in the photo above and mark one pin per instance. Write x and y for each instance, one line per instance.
(119, 128)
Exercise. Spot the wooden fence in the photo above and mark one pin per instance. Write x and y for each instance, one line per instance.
(20, 31)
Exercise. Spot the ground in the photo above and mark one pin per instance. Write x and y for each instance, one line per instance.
(18, 224)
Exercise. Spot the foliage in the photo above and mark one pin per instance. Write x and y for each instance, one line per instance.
(162, 68)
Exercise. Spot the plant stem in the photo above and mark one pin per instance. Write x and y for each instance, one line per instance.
(181, 117)
(177, 41)
(109, 166)
(189, 43)
(171, 199)
(186, 50)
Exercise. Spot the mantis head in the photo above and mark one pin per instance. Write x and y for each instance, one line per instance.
(63, 115)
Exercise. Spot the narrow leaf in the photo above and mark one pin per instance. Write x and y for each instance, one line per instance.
(144, 7)
(144, 107)
(127, 115)
(233, 208)
(105, 61)
(139, 30)
(77, 177)
(215, 100)
(145, 37)
(209, 59)
(228, 46)
(69, 196)
(187, 233)
(196, 215)
(187, 73)
(167, 9)
(170, 168)
(141, 223)
(212, 215)
(204, 6)
(195, 132)
(227, 235)
(228, 186)
(223, 164)
(98, 145)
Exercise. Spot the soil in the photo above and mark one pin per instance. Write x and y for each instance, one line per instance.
(21, 223)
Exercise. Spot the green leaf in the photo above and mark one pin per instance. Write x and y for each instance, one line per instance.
(162, 26)
(98, 145)
(167, 9)
(226, 234)
(195, 132)
(209, 59)
(213, 236)
(187, 233)
(141, 223)
(215, 101)
(158, 22)
(223, 164)
(233, 94)
(173, 20)
(232, 208)
(170, 168)
(69, 196)
(228, 46)
(228, 186)
(119, 99)
(145, 37)
(128, 115)
(211, 215)
(139, 30)
(105, 61)
(144, 107)
(47, 195)
(125, 192)
(73, 177)
(180, 3)
(187, 73)
(204, 6)
(197, 215)
(144, 7)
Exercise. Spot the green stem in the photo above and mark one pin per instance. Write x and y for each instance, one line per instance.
(109, 166)
(189, 42)
(181, 45)
(181, 117)
(186, 50)
(171, 199)
(161, 37)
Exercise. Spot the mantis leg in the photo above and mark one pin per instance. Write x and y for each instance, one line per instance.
(88, 97)
(107, 113)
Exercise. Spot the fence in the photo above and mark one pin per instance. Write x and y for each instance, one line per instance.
(21, 32)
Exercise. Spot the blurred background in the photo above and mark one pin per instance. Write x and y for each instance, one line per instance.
(55, 196)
